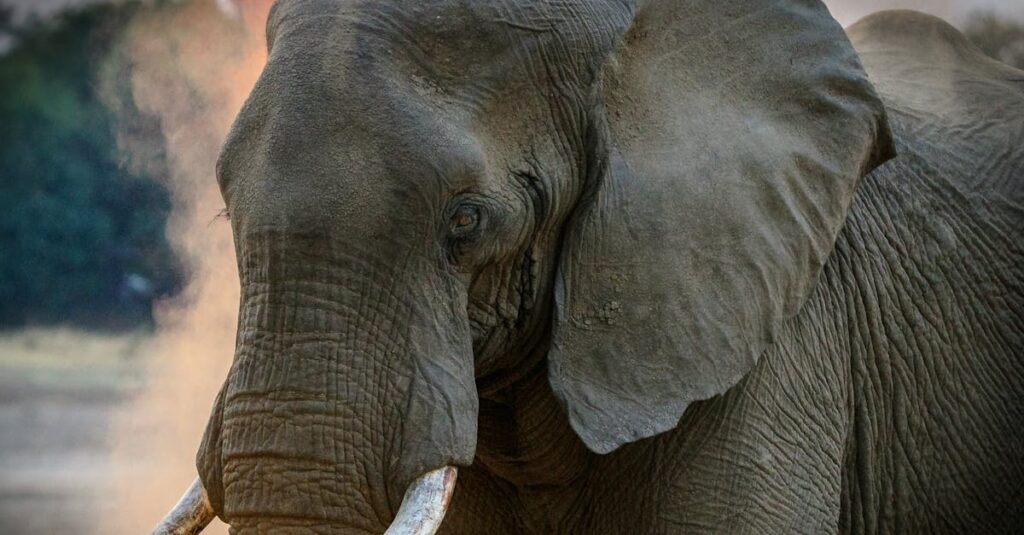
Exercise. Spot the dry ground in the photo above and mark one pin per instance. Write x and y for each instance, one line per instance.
(58, 393)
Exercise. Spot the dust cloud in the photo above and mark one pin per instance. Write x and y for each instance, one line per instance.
(191, 66)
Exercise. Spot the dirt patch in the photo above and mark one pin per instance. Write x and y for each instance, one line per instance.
(59, 393)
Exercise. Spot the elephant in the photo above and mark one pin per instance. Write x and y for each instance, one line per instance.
(617, 266)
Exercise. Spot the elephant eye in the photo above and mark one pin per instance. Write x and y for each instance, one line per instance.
(465, 219)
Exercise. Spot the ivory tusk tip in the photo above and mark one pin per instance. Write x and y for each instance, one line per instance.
(425, 503)
(192, 513)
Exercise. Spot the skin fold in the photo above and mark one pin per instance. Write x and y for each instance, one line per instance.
(669, 267)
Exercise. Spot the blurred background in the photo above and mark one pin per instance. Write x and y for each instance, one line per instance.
(118, 290)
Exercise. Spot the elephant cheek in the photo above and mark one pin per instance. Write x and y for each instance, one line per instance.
(439, 424)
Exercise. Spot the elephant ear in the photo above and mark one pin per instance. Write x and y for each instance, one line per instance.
(729, 141)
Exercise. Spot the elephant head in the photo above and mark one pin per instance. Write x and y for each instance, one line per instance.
(427, 197)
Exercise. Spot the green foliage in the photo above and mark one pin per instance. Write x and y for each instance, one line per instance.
(998, 37)
(80, 234)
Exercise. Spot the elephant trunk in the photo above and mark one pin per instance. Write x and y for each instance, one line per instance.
(349, 386)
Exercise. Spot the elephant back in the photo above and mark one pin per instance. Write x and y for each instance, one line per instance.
(950, 106)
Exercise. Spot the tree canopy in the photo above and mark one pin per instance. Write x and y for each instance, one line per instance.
(81, 234)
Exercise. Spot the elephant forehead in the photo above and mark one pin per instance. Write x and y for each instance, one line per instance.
(306, 152)
(309, 168)
(368, 105)
(457, 41)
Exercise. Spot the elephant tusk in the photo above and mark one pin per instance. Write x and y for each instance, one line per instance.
(192, 513)
(425, 503)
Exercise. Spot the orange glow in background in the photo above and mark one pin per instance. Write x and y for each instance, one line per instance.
(193, 64)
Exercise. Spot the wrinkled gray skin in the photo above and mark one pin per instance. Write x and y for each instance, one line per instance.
(635, 268)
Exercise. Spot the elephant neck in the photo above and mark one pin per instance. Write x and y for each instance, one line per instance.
(524, 436)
